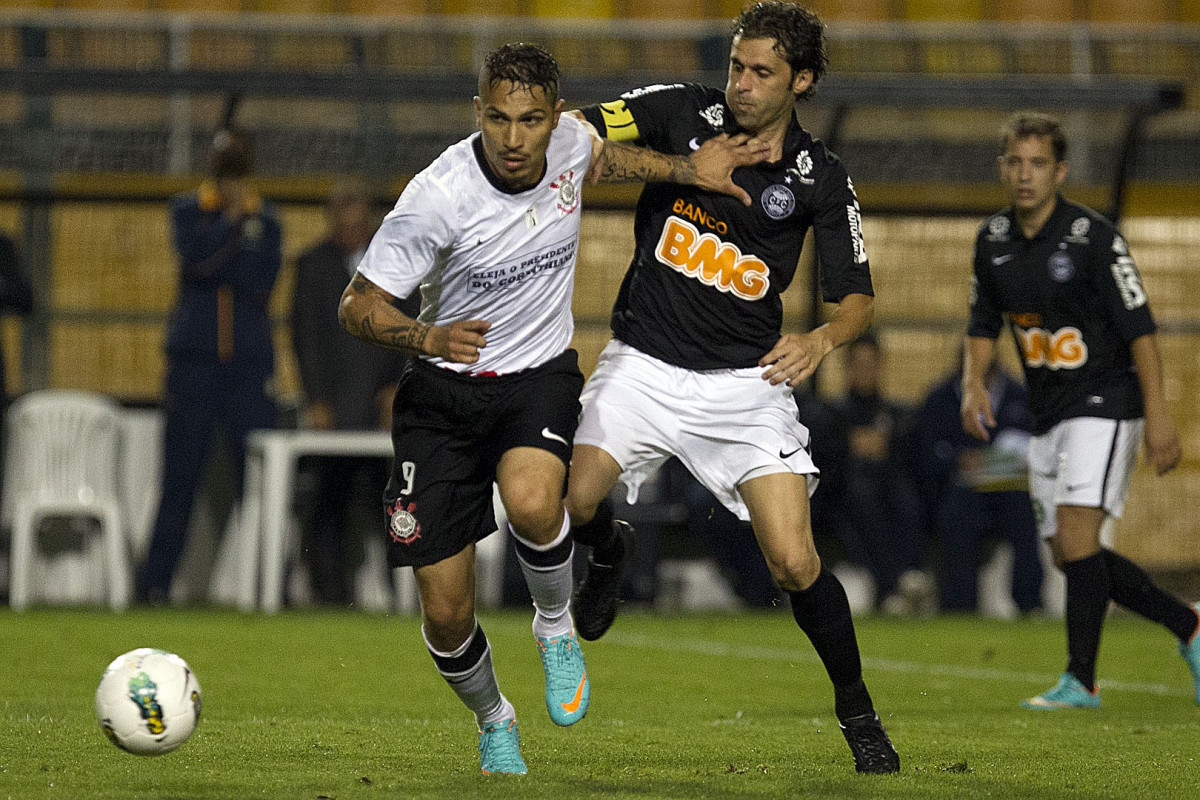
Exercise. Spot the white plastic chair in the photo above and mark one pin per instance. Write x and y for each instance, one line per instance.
(62, 460)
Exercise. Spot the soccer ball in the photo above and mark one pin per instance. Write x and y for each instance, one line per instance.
(148, 701)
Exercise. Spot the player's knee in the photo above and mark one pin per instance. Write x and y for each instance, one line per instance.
(585, 492)
(448, 620)
(534, 513)
(580, 509)
(795, 572)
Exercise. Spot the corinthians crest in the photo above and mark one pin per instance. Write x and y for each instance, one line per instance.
(402, 525)
(568, 195)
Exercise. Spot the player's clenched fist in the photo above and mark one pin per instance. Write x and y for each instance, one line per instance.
(459, 341)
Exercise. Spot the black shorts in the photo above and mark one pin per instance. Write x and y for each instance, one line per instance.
(449, 432)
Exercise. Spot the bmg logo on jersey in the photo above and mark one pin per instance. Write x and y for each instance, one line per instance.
(711, 261)
(1060, 349)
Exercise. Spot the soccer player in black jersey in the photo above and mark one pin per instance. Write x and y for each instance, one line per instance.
(698, 367)
(1061, 276)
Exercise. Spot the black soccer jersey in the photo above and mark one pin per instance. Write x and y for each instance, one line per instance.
(703, 289)
(1074, 301)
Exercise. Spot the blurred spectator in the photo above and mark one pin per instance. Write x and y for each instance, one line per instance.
(829, 450)
(880, 515)
(733, 547)
(16, 297)
(220, 356)
(348, 385)
(973, 489)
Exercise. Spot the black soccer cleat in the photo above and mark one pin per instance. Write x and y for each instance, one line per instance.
(595, 605)
(869, 742)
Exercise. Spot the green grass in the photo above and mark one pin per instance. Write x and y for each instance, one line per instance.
(349, 707)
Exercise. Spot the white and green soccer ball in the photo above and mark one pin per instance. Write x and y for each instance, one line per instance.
(148, 701)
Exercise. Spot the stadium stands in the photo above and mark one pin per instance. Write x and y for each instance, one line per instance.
(943, 10)
(1035, 10)
(1102, 11)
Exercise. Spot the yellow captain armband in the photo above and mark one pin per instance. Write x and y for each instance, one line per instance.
(618, 122)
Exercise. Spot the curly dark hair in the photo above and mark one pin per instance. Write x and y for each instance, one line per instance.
(799, 36)
(522, 64)
(1023, 124)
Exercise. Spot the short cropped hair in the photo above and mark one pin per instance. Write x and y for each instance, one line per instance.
(526, 65)
(1024, 124)
(799, 36)
(232, 154)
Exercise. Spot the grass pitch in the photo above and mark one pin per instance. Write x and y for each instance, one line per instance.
(348, 706)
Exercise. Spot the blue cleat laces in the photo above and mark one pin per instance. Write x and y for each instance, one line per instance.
(500, 749)
(567, 687)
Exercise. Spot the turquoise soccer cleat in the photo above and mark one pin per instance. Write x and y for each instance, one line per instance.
(500, 749)
(567, 687)
(1191, 654)
(1067, 693)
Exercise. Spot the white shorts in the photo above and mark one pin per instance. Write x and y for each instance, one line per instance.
(727, 426)
(1085, 461)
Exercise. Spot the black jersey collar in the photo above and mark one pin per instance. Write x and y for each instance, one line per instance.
(793, 139)
(1053, 222)
(492, 177)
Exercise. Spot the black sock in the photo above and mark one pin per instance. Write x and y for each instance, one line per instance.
(823, 613)
(1087, 603)
(1132, 588)
(598, 534)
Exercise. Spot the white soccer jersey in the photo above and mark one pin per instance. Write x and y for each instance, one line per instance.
(478, 252)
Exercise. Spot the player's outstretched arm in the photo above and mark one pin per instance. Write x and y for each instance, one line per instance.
(976, 409)
(710, 167)
(369, 313)
(797, 355)
(1162, 439)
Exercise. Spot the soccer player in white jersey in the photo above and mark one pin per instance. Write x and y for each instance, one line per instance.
(699, 368)
(1061, 277)
(489, 232)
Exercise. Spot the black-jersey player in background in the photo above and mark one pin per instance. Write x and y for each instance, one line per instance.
(698, 368)
(1062, 278)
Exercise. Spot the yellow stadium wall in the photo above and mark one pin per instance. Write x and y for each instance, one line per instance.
(1104, 11)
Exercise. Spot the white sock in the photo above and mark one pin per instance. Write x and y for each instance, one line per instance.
(549, 576)
(468, 670)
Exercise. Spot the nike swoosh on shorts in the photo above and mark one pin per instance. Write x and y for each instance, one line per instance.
(549, 434)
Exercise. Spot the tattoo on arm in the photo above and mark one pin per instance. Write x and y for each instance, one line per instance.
(626, 163)
(380, 323)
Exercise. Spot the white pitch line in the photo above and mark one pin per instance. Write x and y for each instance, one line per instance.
(705, 647)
